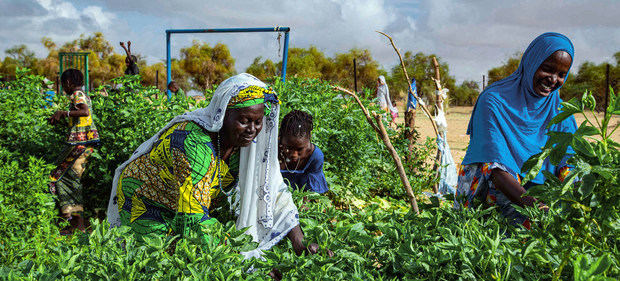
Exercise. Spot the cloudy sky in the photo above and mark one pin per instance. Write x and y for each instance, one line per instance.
(472, 36)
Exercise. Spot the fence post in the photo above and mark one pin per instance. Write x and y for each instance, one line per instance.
(606, 88)
(354, 75)
(86, 74)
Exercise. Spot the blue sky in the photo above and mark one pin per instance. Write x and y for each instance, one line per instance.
(472, 36)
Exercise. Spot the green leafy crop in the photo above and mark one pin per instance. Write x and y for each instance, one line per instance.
(364, 220)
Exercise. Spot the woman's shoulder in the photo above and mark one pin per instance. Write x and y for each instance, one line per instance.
(78, 96)
(489, 97)
(316, 158)
(191, 134)
(317, 153)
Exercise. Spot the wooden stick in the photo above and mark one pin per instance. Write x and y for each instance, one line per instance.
(437, 79)
(402, 64)
(380, 129)
(359, 102)
(399, 164)
(439, 104)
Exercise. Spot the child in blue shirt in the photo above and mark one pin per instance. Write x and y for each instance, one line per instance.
(301, 162)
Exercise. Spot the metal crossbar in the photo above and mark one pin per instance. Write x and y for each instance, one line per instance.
(169, 32)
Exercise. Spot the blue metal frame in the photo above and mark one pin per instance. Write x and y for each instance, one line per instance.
(169, 32)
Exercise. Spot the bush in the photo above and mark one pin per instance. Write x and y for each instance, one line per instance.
(356, 160)
(27, 211)
(373, 236)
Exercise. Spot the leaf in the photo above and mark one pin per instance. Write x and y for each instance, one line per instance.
(587, 185)
(583, 146)
(588, 100)
(599, 266)
(616, 105)
(582, 168)
(568, 108)
(533, 165)
(434, 201)
(536, 191)
(529, 248)
(586, 130)
(607, 173)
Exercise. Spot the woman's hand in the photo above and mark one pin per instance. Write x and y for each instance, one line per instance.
(297, 236)
(56, 117)
(313, 248)
(505, 183)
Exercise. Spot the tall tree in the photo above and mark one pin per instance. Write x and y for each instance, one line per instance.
(17, 56)
(148, 72)
(367, 68)
(23, 56)
(308, 63)
(592, 77)
(497, 73)
(205, 65)
(263, 69)
(465, 94)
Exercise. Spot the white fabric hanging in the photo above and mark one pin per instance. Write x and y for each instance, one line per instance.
(447, 170)
(383, 95)
(263, 202)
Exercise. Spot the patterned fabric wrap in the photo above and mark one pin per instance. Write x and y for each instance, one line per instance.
(475, 187)
(65, 178)
(261, 200)
(82, 130)
(171, 189)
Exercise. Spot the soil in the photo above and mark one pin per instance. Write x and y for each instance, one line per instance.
(458, 118)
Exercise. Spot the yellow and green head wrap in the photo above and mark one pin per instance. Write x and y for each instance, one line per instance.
(253, 95)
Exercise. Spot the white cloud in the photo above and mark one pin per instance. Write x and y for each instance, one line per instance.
(103, 19)
(472, 36)
(58, 19)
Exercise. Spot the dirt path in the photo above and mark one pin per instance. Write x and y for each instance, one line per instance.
(458, 118)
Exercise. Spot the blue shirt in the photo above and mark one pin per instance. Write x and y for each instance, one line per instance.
(311, 177)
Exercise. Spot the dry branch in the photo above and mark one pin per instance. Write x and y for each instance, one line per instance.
(420, 102)
(439, 105)
(380, 129)
(359, 102)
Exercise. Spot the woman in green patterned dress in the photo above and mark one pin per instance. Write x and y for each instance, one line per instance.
(204, 159)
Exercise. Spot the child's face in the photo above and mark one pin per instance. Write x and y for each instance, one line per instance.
(295, 149)
(67, 87)
(174, 88)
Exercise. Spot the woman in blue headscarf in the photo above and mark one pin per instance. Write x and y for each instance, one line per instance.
(509, 125)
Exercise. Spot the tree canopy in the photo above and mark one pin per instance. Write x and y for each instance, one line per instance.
(200, 66)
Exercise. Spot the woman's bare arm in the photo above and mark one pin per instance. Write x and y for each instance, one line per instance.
(508, 185)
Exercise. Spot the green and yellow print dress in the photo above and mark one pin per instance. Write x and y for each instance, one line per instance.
(171, 189)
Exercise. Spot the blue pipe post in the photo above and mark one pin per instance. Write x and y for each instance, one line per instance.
(285, 56)
(168, 65)
(169, 32)
(230, 30)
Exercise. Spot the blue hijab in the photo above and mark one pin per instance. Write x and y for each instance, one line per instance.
(509, 121)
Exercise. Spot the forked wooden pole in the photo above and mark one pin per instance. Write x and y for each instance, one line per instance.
(439, 105)
(402, 64)
(377, 125)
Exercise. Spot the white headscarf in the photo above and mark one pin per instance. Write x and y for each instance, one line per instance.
(263, 202)
(383, 94)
